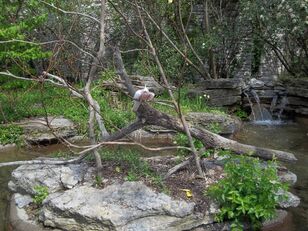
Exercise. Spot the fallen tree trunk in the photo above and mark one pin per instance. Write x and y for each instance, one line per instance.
(151, 116)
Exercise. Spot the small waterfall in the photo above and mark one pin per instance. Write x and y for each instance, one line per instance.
(250, 104)
(260, 112)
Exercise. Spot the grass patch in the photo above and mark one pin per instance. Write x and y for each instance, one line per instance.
(197, 104)
(131, 164)
(22, 99)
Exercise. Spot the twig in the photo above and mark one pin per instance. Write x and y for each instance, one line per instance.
(72, 12)
(177, 168)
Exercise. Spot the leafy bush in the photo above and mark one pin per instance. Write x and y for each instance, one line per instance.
(41, 192)
(241, 114)
(248, 192)
(10, 134)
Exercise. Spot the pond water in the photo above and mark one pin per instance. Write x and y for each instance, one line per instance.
(290, 137)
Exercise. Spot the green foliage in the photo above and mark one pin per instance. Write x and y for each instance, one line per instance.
(22, 99)
(278, 25)
(207, 153)
(133, 166)
(248, 192)
(98, 181)
(62, 154)
(198, 104)
(10, 134)
(241, 114)
(182, 140)
(215, 127)
(17, 21)
(129, 160)
(41, 192)
(116, 109)
(108, 74)
(131, 176)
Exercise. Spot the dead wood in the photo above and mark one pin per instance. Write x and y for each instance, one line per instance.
(151, 116)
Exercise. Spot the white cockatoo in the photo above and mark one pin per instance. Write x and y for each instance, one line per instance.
(142, 95)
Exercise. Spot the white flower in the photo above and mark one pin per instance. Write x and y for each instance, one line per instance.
(170, 1)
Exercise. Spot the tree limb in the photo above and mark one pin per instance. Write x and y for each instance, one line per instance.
(72, 12)
(151, 116)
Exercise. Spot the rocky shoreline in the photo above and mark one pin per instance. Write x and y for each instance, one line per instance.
(75, 202)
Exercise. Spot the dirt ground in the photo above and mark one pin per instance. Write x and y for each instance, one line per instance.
(184, 184)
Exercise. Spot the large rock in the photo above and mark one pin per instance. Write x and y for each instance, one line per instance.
(290, 201)
(221, 84)
(298, 101)
(38, 131)
(19, 219)
(218, 97)
(297, 91)
(127, 206)
(26, 177)
(74, 204)
(221, 92)
(256, 84)
(226, 123)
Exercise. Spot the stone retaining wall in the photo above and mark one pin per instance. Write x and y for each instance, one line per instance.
(289, 98)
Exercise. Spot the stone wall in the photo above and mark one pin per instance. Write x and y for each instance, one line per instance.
(297, 91)
(221, 92)
(282, 99)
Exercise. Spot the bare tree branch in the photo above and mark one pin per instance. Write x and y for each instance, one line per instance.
(164, 77)
(72, 12)
(189, 43)
(62, 41)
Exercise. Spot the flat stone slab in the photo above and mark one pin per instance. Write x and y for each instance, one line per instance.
(221, 83)
(227, 124)
(127, 206)
(56, 178)
(38, 130)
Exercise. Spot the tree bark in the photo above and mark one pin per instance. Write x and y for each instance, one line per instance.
(118, 62)
(206, 21)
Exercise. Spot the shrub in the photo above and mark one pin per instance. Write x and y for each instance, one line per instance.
(248, 192)
(10, 134)
(41, 192)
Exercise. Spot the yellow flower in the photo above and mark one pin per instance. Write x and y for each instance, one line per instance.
(170, 1)
(188, 192)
